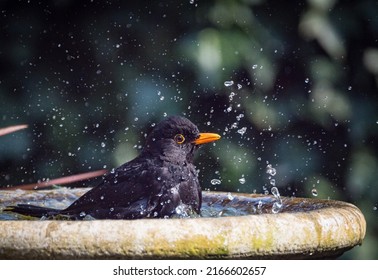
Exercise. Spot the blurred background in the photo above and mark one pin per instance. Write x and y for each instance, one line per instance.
(291, 85)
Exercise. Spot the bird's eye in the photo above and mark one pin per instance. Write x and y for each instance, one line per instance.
(179, 138)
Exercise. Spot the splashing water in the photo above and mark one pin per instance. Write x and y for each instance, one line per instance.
(259, 207)
(271, 170)
(266, 191)
(228, 83)
(182, 211)
(230, 196)
(242, 130)
(273, 182)
(314, 192)
(215, 182)
(277, 205)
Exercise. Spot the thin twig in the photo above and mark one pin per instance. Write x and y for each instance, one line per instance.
(13, 128)
(59, 181)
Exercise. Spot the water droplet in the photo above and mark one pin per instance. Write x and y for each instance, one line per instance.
(215, 182)
(242, 130)
(82, 214)
(103, 144)
(271, 170)
(229, 196)
(179, 210)
(240, 86)
(102, 197)
(272, 182)
(228, 83)
(254, 66)
(350, 88)
(307, 80)
(231, 97)
(276, 207)
(239, 117)
(259, 204)
(242, 180)
(275, 192)
(314, 192)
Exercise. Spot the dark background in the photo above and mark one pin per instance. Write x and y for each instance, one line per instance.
(90, 78)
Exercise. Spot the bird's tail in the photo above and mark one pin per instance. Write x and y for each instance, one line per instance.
(32, 210)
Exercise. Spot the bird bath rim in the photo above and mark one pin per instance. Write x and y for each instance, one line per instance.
(326, 231)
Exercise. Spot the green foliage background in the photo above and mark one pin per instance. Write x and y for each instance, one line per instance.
(92, 77)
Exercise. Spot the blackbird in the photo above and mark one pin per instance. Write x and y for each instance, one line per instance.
(159, 183)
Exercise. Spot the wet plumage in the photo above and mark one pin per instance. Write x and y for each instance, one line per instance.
(162, 181)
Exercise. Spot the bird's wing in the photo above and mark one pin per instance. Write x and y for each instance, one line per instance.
(124, 191)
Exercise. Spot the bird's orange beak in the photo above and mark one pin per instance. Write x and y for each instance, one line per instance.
(206, 138)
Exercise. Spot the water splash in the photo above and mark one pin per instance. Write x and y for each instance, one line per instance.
(242, 180)
(259, 207)
(228, 83)
(183, 211)
(215, 181)
(230, 196)
(271, 170)
(272, 182)
(242, 131)
(314, 192)
(277, 205)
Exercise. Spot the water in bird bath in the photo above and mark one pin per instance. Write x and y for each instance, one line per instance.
(215, 204)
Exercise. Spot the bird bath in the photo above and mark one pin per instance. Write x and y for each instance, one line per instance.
(233, 226)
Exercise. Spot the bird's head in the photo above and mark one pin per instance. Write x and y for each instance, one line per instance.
(176, 139)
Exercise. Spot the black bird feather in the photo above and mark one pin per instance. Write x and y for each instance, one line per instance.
(162, 181)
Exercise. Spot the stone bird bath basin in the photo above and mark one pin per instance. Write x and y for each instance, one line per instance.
(237, 226)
